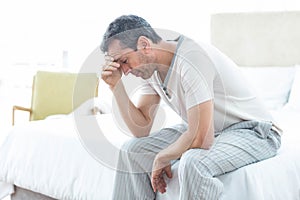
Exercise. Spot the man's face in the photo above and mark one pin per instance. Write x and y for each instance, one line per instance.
(131, 61)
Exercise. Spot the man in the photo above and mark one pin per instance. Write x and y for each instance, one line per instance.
(225, 126)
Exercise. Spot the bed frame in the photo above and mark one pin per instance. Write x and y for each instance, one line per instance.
(23, 194)
(250, 39)
(259, 38)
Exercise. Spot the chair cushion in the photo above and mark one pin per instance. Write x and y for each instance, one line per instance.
(60, 92)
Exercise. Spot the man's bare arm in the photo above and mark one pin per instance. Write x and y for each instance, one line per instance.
(200, 133)
(139, 119)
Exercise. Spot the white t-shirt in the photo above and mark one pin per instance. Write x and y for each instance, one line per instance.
(200, 72)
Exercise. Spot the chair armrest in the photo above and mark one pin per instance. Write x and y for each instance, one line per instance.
(19, 108)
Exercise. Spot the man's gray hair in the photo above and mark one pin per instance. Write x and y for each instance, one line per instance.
(127, 29)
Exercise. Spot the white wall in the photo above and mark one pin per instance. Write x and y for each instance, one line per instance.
(34, 30)
(34, 33)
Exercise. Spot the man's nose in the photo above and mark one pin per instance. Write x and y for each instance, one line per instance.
(126, 69)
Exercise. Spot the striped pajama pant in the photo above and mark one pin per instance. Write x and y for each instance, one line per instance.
(236, 146)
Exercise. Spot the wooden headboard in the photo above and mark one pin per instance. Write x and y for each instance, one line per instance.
(258, 38)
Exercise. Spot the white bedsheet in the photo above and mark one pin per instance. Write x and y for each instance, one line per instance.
(48, 157)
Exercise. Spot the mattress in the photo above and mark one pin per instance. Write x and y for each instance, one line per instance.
(51, 158)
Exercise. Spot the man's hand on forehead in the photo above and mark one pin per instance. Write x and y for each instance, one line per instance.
(111, 57)
(115, 56)
(108, 57)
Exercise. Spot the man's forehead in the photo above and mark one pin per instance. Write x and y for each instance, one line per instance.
(115, 49)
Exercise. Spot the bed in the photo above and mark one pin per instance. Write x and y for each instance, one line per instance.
(73, 157)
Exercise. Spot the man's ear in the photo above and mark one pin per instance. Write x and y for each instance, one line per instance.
(144, 44)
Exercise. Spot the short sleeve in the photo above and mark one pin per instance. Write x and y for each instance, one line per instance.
(197, 79)
(146, 88)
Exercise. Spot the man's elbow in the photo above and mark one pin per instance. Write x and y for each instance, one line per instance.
(142, 132)
(141, 129)
(140, 135)
(202, 144)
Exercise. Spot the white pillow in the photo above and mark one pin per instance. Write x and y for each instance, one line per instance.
(272, 83)
(294, 99)
(87, 107)
(57, 116)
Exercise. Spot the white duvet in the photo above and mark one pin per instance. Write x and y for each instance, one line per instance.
(49, 157)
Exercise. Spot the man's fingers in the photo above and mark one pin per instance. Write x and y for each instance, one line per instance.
(168, 171)
(155, 180)
(113, 64)
(108, 58)
(161, 185)
(157, 177)
(158, 183)
(106, 73)
(109, 68)
(154, 186)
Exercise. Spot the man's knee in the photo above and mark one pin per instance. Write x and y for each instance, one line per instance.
(191, 163)
(135, 157)
(132, 145)
(136, 149)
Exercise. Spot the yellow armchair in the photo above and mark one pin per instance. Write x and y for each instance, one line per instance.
(59, 93)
